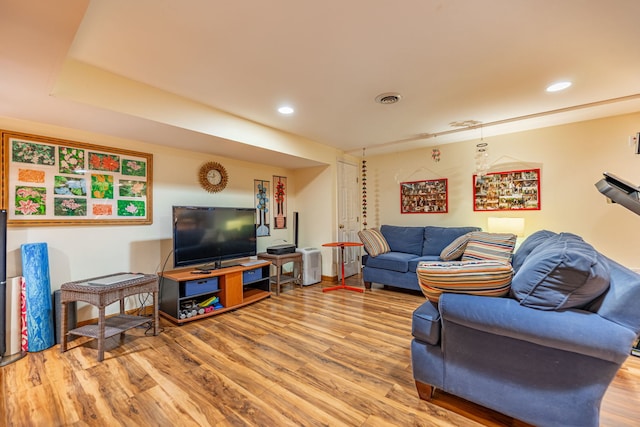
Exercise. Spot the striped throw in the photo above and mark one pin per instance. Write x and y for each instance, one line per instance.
(486, 278)
(374, 242)
(489, 246)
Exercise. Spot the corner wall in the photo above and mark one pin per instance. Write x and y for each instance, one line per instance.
(572, 159)
(77, 252)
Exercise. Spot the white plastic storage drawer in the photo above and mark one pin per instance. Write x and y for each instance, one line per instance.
(201, 286)
(251, 275)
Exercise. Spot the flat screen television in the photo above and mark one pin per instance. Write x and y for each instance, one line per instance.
(206, 236)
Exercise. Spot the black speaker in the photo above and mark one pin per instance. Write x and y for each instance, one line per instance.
(3, 282)
(295, 229)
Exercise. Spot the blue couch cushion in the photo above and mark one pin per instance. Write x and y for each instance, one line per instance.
(529, 244)
(404, 239)
(425, 324)
(393, 261)
(562, 272)
(413, 264)
(437, 238)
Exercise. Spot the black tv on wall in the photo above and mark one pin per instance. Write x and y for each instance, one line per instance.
(206, 236)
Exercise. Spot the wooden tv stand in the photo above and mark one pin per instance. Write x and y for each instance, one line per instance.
(235, 287)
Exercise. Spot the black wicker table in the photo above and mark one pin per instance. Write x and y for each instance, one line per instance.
(102, 295)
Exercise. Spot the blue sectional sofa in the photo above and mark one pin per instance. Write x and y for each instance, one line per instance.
(409, 246)
(547, 352)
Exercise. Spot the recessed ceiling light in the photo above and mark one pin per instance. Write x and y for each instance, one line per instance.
(285, 110)
(558, 86)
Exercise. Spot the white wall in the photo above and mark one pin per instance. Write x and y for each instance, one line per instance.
(572, 159)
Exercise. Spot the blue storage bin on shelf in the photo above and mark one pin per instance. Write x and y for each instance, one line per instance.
(200, 286)
(251, 275)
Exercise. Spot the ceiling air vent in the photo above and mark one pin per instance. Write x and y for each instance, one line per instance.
(388, 98)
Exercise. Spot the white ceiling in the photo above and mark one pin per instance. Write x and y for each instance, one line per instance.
(451, 60)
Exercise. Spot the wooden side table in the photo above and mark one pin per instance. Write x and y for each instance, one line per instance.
(278, 261)
(101, 296)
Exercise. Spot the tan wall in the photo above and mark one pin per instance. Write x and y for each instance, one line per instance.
(572, 159)
(79, 252)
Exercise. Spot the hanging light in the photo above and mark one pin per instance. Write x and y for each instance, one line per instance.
(482, 158)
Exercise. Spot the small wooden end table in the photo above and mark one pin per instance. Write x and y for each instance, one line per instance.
(278, 261)
(101, 296)
(342, 285)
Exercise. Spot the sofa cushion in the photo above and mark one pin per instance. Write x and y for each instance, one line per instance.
(374, 242)
(562, 272)
(529, 244)
(425, 325)
(486, 277)
(413, 264)
(393, 261)
(437, 238)
(455, 249)
(489, 246)
(404, 239)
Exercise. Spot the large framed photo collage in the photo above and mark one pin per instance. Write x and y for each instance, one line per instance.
(49, 181)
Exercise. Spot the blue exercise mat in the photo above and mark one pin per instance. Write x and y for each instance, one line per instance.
(35, 270)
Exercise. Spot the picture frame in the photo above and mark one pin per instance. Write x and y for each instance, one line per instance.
(507, 191)
(261, 190)
(51, 181)
(280, 192)
(423, 197)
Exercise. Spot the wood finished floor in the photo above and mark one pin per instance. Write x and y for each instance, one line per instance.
(305, 358)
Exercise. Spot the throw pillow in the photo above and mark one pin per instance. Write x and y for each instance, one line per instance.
(486, 278)
(529, 244)
(455, 249)
(489, 246)
(374, 242)
(563, 272)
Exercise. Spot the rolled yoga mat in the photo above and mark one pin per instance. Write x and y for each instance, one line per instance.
(14, 319)
(35, 270)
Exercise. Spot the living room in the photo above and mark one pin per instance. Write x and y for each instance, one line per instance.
(571, 158)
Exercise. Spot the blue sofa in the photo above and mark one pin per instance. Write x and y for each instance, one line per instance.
(546, 353)
(409, 246)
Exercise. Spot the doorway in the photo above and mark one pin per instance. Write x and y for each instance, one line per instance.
(349, 216)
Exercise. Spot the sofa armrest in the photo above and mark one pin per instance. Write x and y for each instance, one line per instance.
(576, 331)
(425, 324)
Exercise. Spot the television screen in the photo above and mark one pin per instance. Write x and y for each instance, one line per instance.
(209, 235)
